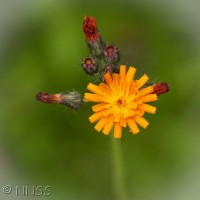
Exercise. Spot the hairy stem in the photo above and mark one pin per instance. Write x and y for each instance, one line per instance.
(119, 187)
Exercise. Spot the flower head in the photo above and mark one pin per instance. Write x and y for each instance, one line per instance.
(121, 102)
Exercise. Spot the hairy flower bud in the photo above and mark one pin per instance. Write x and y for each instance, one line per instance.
(111, 54)
(48, 98)
(160, 88)
(89, 65)
(71, 99)
(94, 41)
(90, 29)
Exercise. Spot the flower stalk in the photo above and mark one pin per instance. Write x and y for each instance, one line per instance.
(119, 187)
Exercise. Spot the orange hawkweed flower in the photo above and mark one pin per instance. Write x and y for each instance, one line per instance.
(121, 102)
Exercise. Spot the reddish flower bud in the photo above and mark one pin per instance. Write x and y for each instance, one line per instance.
(71, 99)
(90, 28)
(89, 65)
(94, 41)
(160, 88)
(111, 54)
(48, 98)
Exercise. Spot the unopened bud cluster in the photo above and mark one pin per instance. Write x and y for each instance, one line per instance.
(103, 57)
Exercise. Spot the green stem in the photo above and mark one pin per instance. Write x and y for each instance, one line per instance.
(118, 170)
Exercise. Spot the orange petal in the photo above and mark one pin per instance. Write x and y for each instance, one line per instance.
(122, 122)
(145, 91)
(95, 117)
(104, 87)
(130, 75)
(117, 117)
(149, 98)
(91, 97)
(100, 124)
(132, 105)
(122, 72)
(148, 108)
(140, 112)
(141, 121)
(98, 107)
(133, 126)
(106, 112)
(116, 79)
(142, 81)
(117, 130)
(108, 126)
(94, 88)
(108, 78)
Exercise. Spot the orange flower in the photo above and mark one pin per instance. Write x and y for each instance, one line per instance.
(121, 102)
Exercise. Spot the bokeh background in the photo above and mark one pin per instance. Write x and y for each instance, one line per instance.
(41, 48)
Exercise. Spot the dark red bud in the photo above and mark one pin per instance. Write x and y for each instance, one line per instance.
(48, 98)
(160, 88)
(89, 65)
(111, 54)
(90, 28)
(111, 51)
(71, 99)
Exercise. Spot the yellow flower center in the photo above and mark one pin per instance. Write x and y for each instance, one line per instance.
(121, 102)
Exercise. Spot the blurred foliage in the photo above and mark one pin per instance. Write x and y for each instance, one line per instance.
(58, 146)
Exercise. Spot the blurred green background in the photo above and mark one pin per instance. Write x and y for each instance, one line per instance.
(41, 48)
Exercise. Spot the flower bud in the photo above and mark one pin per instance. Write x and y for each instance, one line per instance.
(111, 54)
(90, 29)
(94, 41)
(89, 65)
(160, 88)
(48, 98)
(71, 99)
